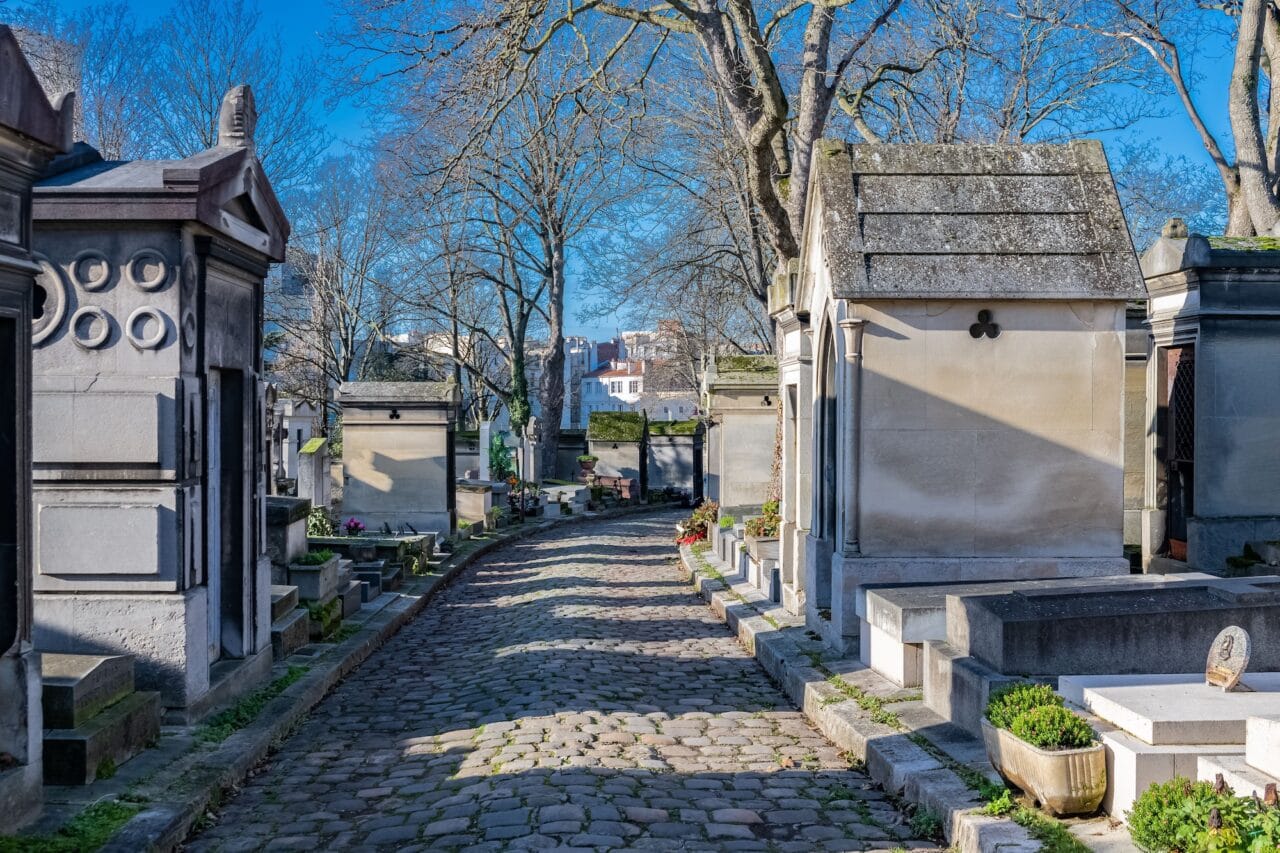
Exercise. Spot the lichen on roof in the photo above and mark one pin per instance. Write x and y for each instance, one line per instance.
(746, 364)
(615, 426)
(688, 427)
(312, 446)
(1245, 244)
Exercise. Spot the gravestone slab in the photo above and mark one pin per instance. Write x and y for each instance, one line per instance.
(1176, 709)
(1262, 744)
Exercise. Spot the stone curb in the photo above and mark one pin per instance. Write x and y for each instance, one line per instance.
(169, 817)
(892, 759)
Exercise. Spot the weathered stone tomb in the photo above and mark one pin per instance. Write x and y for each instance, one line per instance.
(1212, 470)
(740, 394)
(32, 131)
(398, 455)
(149, 414)
(967, 311)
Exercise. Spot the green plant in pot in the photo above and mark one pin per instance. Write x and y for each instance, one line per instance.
(1040, 746)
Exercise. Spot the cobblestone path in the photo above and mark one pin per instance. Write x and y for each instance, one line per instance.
(568, 691)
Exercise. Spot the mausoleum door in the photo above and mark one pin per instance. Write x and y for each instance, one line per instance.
(10, 484)
(1180, 377)
(228, 504)
(213, 511)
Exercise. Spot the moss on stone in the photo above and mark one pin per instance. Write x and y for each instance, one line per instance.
(615, 426)
(688, 427)
(1246, 244)
(747, 364)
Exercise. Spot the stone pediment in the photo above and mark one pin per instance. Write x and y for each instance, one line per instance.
(223, 188)
(971, 222)
(24, 108)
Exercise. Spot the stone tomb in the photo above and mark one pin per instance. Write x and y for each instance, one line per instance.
(1213, 476)
(674, 455)
(32, 131)
(898, 620)
(618, 440)
(149, 441)
(398, 454)
(1136, 629)
(740, 394)
(1156, 727)
(967, 311)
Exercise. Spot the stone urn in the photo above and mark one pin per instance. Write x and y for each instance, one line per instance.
(1063, 781)
(588, 467)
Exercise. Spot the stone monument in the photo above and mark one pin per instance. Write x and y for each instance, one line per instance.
(967, 306)
(32, 131)
(149, 471)
(398, 454)
(1212, 481)
(740, 396)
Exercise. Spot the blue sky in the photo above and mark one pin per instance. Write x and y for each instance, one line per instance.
(303, 23)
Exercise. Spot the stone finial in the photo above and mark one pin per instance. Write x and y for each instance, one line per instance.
(237, 119)
(1174, 229)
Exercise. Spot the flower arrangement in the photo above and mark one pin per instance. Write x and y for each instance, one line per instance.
(353, 527)
(694, 528)
(765, 525)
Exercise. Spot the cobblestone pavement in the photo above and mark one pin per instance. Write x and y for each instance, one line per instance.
(568, 691)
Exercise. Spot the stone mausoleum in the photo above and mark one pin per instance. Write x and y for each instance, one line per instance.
(32, 131)
(398, 455)
(740, 396)
(963, 312)
(149, 419)
(1212, 468)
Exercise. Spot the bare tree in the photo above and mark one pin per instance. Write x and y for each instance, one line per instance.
(338, 297)
(1171, 35)
(491, 47)
(204, 47)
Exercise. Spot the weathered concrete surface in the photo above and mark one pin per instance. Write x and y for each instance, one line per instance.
(567, 690)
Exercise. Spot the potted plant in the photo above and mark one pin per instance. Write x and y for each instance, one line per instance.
(762, 533)
(315, 574)
(353, 527)
(1046, 750)
(588, 463)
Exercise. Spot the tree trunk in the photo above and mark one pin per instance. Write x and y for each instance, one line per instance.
(1256, 194)
(553, 368)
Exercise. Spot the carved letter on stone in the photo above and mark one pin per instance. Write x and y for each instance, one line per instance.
(1228, 658)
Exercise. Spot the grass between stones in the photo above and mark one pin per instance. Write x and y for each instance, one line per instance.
(84, 833)
(223, 725)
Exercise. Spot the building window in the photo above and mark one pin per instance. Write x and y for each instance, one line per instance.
(635, 386)
(665, 410)
(615, 387)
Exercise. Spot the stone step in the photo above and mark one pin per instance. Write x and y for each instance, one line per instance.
(283, 601)
(1243, 779)
(344, 573)
(289, 633)
(370, 585)
(325, 616)
(78, 756)
(392, 578)
(75, 687)
(351, 598)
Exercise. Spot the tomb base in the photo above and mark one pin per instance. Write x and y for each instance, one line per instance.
(21, 792)
(850, 573)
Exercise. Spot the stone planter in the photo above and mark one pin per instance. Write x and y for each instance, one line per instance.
(1065, 781)
(763, 548)
(315, 583)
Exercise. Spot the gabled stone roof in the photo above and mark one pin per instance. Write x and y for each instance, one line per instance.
(23, 105)
(971, 222)
(223, 187)
(398, 393)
